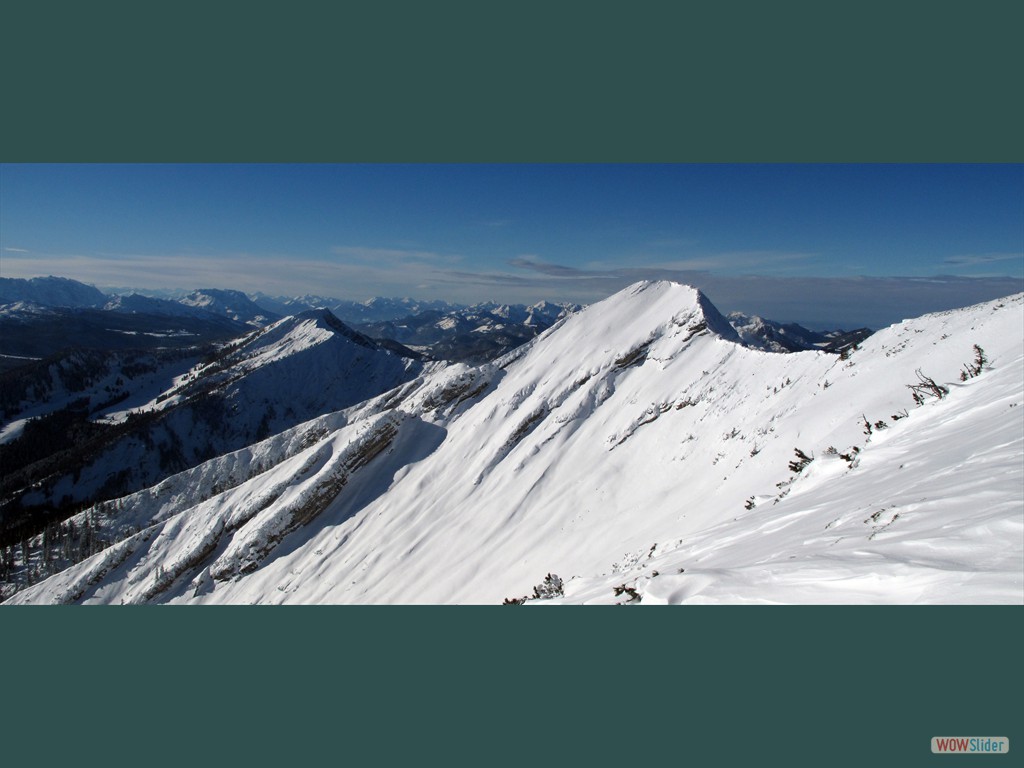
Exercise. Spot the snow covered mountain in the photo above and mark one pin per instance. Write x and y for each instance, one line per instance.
(772, 336)
(50, 292)
(233, 304)
(38, 333)
(380, 308)
(473, 334)
(129, 435)
(135, 303)
(633, 453)
(48, 316)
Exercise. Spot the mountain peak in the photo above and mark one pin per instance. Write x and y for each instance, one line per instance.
(666, 294)
(234, 304)
(326, 320)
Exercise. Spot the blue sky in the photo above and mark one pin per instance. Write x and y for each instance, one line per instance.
(814, 241)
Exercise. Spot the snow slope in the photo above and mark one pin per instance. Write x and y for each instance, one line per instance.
(640, 452)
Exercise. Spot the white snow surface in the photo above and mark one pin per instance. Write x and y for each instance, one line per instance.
(636, 450)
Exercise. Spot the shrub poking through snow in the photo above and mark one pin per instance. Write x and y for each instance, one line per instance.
(552, 586)
(851, 456)
(926, 386)
(623, 589)
(800, 462)
(970, 371)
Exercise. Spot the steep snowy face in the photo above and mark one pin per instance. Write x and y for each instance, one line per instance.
(631, 438)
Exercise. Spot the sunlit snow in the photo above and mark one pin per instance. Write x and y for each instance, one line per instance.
(638, 451)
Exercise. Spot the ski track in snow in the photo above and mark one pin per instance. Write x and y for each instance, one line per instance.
(636, 450)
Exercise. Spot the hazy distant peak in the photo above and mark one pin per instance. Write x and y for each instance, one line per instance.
(233, 304)
(51, 292)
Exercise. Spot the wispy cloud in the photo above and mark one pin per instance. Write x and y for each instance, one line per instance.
(395, 255)
(674, 242)
(16, 250)
(977, 259)
(738, 261)
(723, 262)
(547, 268)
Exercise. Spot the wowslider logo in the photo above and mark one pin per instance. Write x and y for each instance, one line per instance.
(971, 745)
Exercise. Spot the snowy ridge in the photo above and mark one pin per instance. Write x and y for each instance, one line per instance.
(642, 454)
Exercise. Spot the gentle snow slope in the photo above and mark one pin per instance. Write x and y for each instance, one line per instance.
(633, 439)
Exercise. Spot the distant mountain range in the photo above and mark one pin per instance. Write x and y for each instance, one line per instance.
(47, 315)
(51, 292)
(375, 310)
(777, 337)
